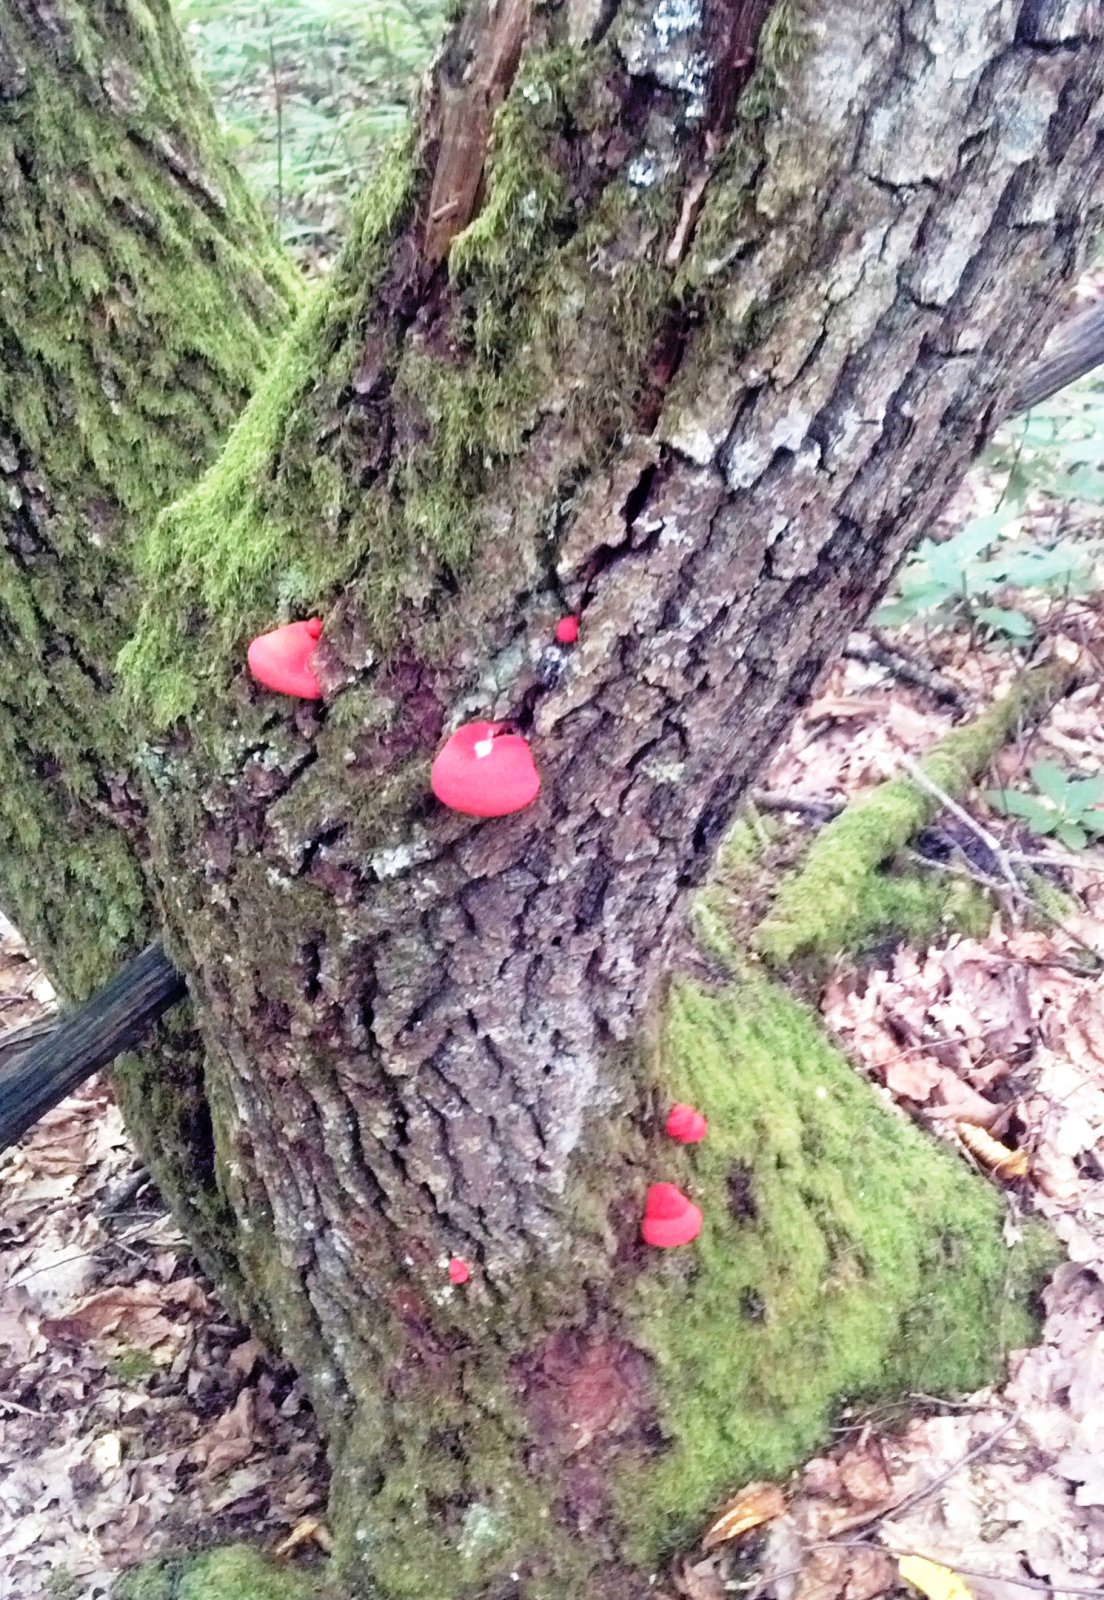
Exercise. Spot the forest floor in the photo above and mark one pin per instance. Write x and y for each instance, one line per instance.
(135, 1415)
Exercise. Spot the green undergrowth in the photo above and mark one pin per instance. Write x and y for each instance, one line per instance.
(845, 1258)
(850, 891)
(233, 1572)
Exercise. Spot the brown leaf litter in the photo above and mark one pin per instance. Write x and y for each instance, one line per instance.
(134, 1414)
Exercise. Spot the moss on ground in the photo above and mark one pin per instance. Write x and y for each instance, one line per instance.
(233, 1572)
(845, 1257)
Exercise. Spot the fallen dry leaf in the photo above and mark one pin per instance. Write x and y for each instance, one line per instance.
(938, 1583)
(755, 1504)
(997, 1158)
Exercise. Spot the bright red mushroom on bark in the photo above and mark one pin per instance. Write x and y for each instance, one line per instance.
(484, 770)
(685, 1124)
(567, 630)
(670, 1219)
(280, 659)
(459, 1272)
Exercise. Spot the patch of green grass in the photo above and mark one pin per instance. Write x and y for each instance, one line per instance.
(845, 1257)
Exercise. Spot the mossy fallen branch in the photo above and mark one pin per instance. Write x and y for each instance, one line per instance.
(836, 899)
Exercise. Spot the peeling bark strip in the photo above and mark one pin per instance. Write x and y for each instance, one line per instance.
(474, 77)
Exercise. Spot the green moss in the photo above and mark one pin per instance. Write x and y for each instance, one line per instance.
(233, 1572)
(844, 1257)
(131, 1366)
(836, 900)
(285, 522)
(139, 290)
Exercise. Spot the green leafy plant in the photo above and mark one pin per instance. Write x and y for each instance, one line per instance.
(1065, 806)
(992, 573)
(972, 576)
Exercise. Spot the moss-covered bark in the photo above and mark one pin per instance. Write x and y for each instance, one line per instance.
(689, 328)
(139, 295)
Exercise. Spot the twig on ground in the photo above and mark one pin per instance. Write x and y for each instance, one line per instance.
(902, 664)
(773, 800)
(989, 840)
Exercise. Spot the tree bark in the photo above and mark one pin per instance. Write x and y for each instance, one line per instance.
(686, 322)
(139, 293)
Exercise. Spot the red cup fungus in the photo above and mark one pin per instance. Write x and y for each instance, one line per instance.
(281, 659)
(484, 770)
(669, 1217)
(685, 1124)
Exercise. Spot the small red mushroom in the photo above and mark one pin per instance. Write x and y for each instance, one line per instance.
(484, 770)
(685, 1124)
(458, 1271)
(669, 1217)
(280, 659)
(567, 630)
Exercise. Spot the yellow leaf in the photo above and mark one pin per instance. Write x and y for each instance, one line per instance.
(312, 1528)
(1001, 1162)
(938, 1583)
(755, 1504)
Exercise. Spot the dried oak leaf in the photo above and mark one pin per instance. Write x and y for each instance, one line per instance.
(755, 1504)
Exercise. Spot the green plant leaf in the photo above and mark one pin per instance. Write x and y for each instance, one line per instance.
(1073, 837)
(1053, 781)
(1013, 803)
(1013, 624)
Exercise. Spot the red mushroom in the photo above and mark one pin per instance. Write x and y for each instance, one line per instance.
(685, 1124)
(484, 770)
(669, 1217)
(567, 630)
(458, 1271)
(280, 659)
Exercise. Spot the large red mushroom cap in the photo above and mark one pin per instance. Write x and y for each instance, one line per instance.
(669, 1217)
(484, 770)
(281, 659)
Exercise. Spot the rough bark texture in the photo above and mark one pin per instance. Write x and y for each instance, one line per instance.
(708, 356)
(139, 290)
(692, 342)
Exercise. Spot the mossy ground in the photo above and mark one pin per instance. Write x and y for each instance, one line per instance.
(233, 1572)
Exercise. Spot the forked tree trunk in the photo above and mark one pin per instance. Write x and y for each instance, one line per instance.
(692, 343)
(139, 294)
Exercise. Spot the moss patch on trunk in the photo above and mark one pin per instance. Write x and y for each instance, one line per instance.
(846, 1257)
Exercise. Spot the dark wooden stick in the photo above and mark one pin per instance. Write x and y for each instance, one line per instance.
(44, 1062)
(1075, 347)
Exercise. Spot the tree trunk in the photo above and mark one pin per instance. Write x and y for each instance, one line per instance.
(139, 291)
(686, 323)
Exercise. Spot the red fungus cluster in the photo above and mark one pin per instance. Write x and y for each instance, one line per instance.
(485, 769)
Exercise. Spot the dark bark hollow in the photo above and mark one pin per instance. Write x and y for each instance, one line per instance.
(696, 355)
(138, 291)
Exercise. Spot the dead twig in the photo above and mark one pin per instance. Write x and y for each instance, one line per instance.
(904, 666)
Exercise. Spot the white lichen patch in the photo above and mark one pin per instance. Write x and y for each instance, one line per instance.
(481, 1532)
